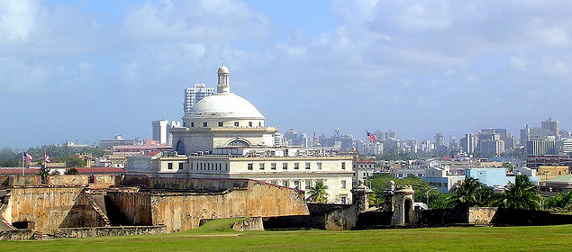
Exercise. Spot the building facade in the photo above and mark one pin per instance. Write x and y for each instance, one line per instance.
(195, 94)
(225, 136)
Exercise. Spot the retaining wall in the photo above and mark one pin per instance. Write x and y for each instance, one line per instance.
(108, 231)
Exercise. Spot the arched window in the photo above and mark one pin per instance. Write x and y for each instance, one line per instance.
(181, 148)
(238, 143)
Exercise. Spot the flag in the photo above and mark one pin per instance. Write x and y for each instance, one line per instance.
(315, 137)
(47, 158)
(27, 157)
(371, 137)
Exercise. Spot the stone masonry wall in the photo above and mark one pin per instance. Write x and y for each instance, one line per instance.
(482, 215)
(68, 180)
(46, 207)
(183, 211)
(108, 231)
(134, 207)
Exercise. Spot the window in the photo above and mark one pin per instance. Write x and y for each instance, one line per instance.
(307, 166)
(285, 183)
(308, 184)
(170, 166)
(343, 165)
(250, 166)
(259, 124)
(273, 166)
(220, 124)
(261, 166)
(319, 165)
(285, 166)
(192, 124)
(297, 184)
(343, 200)
(249, 124)
(180, 166)
(343, 184)
(236, 124)
(205, 124)
(296, 166)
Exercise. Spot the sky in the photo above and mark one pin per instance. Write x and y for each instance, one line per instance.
(83, 71)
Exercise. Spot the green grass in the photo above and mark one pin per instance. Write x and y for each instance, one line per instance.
(217, 236)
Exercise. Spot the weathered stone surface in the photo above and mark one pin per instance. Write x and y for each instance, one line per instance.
(19, 234)
(342, 219)
(181, 211)
(68, 180)
(482, 215)
(24, 181)
(108, 231)
(45, 208)
(249, 224)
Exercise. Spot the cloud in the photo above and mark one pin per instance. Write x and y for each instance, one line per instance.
(28, 28)
(206, 20)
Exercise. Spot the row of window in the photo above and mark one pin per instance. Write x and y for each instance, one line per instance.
(220, 124)
(273, 166)
(307, 184)
(170, 166)
(201, 166)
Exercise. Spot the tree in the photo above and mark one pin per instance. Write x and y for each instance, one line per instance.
(471, 193)
(508, 166)
(9, 159)
(72, 171)
(523, 194)
(379, 183)
(560, 202)
(43, 173)
(318, 193)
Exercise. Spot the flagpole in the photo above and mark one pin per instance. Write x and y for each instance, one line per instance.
(22, 162)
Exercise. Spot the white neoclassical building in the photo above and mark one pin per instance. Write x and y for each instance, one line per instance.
(224, 136)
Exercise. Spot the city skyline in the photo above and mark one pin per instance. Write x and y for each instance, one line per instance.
(92, 70)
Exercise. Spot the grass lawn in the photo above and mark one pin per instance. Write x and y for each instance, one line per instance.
(217, 236)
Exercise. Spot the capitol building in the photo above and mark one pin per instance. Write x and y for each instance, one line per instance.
(224, 136)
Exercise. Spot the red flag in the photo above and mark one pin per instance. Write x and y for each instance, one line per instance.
(27, 157)
(371, 137)
(47, 158)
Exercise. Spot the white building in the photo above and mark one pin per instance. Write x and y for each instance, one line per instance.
(224, 136)
(160, 131)
(195, 94)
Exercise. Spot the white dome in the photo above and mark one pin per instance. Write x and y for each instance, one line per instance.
(224, 105)
(223, 70)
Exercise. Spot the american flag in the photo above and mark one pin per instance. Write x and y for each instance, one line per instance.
(371, 137)
(27, 157)
(315, 137)
(47, 158)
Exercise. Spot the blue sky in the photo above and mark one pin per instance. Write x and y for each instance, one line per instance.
(89, 70)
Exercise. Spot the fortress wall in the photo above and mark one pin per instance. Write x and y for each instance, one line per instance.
(183, 211)
(45, 207)
(134, 207)
(85, 213)
(68, 180)
(192, 184)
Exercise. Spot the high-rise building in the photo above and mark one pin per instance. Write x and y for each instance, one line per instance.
(552, 126)
(195, 94)
(439, 139)
(160, 131)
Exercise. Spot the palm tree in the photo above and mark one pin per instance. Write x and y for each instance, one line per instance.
(318, 193)
(523, 194)
(471, 193)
